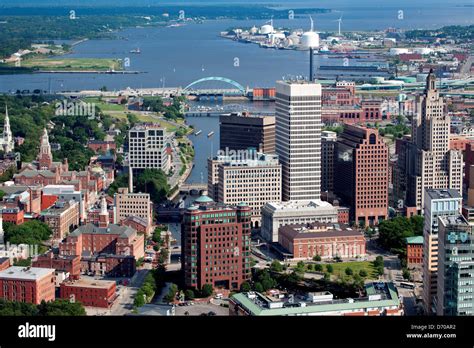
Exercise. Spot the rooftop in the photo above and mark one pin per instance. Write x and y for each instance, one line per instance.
(299, 205)
(245, 158)
(443, 194)
(25, 273)
(319, 230)
(378, 295)
(121, 231)
(89, 283)
(415, 240)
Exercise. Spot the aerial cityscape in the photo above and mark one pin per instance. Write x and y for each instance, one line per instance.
(236, 158)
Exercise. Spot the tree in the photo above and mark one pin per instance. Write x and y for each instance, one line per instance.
(406, 274)
(329, 268)
(349, 271)
(276, 266)
(363, 273)
(258, 287)
(207, 290)
(61, 308)
(245, 287)
(318, 267)
(189, 294)
(22, 262)
(326, 277)
(139, 299)
(310, 267)
(317, 258)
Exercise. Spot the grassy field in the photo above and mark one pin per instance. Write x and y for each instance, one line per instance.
(120, 112)
(72, 64)
(357, 266)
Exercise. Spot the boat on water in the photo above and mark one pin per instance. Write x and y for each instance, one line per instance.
(198, 132)
(210, 134)
(136, 51)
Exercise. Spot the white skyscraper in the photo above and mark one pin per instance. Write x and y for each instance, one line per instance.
(298, 139)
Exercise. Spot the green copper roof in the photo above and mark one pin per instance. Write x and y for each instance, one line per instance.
(204, 199)
(415, 240)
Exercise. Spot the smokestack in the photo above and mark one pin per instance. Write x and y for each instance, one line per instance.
(311, 72)
(130, 179)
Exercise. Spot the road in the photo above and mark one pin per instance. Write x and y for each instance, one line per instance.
(124, 303)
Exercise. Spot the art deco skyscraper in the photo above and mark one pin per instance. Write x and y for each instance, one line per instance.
(298, 139)
(435, 165)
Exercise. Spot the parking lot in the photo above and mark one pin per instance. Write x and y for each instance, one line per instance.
(201, 308)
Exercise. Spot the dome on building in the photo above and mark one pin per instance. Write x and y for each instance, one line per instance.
(204, 199)
(253, 30)
(310, 39)
(266, 29)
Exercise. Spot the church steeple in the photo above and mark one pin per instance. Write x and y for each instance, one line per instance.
(104, 214)
(45, 157)
(7, 140)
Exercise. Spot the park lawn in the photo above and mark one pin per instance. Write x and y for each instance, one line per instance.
(73, 64)
(357, 266)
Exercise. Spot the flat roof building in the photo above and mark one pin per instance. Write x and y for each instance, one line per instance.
(326, 240)
(255, 180)
(455, 267)
(244, 131)
(381, 299)
(91, 293)
(27, 284)
(277, 214)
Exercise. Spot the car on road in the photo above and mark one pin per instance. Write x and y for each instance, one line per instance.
(211, 313)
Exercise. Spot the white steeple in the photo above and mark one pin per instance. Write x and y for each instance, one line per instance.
(7, 139)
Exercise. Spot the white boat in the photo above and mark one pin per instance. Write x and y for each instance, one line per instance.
(137, 51)
(210, 134)
(198, 132)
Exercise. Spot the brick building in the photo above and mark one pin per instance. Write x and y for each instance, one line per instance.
(62, 218)
(27, 284)
(216, 244)
(325, 240)
(414, 251)
(104, 241)
(70, 263)
(91, 293)
(361, 174)
(13, 215)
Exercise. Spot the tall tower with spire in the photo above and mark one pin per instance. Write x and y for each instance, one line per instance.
(7, 141)
(45, 158)
(104, 214)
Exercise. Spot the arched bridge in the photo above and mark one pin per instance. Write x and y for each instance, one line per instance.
(237, 90)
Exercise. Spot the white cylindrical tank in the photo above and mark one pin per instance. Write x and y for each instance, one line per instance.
(266, 29)
(310, 39)
(397, 51)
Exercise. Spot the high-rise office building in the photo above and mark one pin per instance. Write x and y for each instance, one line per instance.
(361, 174)
(147, 148)
(328, 142)
(133, 204)
(298, 138)
(244, 131)
(215, 242)
(434, 164)
(438, 203)
(255, 181)
(455, 293)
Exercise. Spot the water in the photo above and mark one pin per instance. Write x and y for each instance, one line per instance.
(180, 55)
